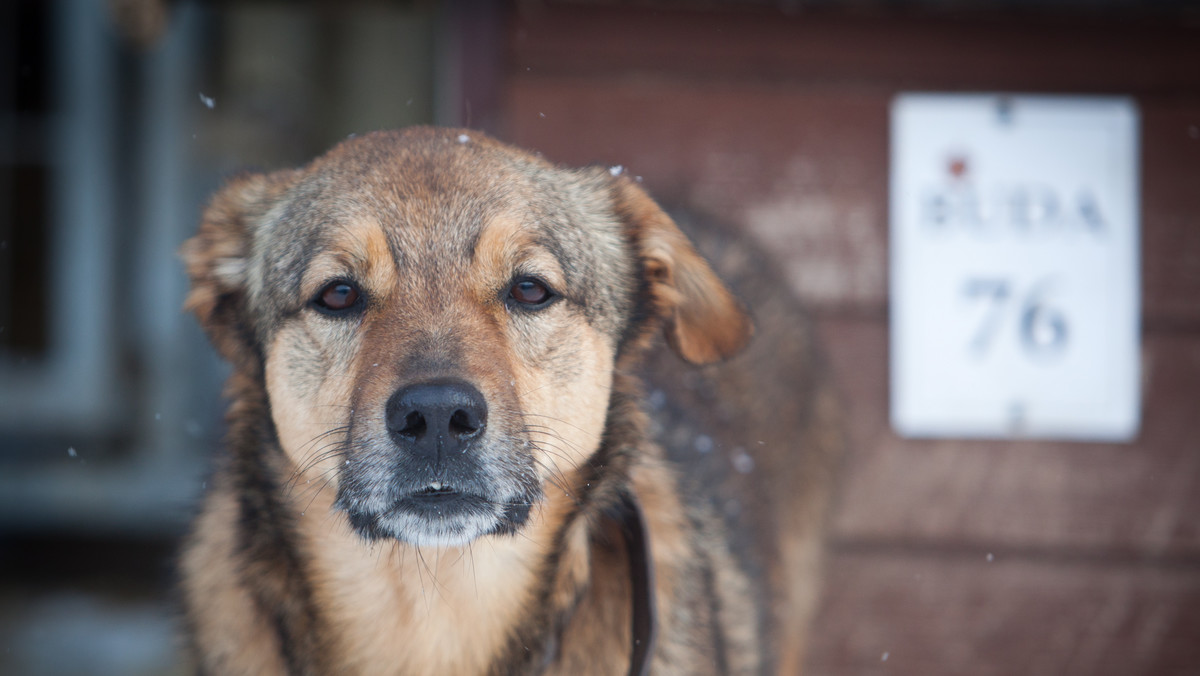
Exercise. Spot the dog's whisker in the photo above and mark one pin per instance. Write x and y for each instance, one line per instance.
(531, 429)
(332, 450)
(474, 570)
(311, 493)
(329, 475)
(420, 575)
(433, 581)
(522, 395)
(551, 445)
(560, 482)
(554, 476)
(550, 449)
(329, 451)
(552, 419)
(547, 448)
(546, 430)
(324, 435)
(333, 431)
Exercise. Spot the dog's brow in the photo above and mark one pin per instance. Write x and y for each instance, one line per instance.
(358, 249)
(553, 246)
(499, 237)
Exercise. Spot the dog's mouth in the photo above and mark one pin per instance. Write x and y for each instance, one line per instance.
(441, 498)
(448, 497)
(436, 513)
(436, 490)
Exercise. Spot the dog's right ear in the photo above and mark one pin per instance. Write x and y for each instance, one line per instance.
(218, 261)
(702, 321)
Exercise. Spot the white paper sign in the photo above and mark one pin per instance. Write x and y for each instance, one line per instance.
(1014, 267)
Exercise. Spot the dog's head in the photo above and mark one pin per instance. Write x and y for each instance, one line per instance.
(436, 318)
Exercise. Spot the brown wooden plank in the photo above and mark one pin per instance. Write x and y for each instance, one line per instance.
(1140, 498)
(926, 615)
(1170, 208)
(949, 50)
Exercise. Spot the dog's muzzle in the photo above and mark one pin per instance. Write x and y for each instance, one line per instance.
(438, 480)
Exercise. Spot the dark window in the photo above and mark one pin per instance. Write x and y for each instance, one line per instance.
(26, 80)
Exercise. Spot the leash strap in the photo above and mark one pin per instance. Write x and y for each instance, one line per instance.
(641, 575)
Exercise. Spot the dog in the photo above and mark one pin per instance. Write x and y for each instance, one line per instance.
(440, 459)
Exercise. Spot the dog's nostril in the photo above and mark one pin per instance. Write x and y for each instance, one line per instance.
(463, 423)
(414, 425)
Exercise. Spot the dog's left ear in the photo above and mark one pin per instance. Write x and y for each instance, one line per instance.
(218, 260)
(704, 322)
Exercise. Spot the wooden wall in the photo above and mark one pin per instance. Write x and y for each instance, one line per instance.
(947, 557)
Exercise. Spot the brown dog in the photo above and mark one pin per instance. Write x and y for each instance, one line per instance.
(438, 460)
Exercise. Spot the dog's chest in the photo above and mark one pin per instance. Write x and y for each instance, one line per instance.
(422, 611)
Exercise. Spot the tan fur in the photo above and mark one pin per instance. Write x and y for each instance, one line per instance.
(377, 594)
(228, 624)
(276, 577)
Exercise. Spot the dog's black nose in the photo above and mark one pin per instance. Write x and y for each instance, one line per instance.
(437, 416)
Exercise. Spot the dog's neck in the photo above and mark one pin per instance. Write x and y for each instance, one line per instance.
(457, 610)
(405, 604)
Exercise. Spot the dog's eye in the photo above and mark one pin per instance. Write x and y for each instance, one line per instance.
(337, 296)
(530, 293)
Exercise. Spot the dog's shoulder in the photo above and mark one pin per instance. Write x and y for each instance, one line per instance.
(757, 439)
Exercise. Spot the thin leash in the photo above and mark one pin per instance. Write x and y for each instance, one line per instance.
(641, 575)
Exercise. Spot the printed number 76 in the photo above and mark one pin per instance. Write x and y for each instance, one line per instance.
(1043, 330)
